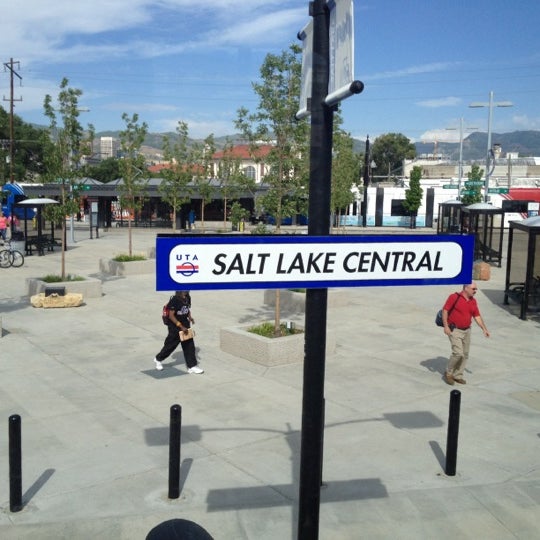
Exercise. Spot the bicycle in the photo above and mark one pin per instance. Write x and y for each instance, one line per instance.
(10, 257)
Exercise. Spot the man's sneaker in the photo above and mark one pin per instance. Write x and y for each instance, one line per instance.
(460, 381)
(159, 365)
(448, 378)
(196, 370)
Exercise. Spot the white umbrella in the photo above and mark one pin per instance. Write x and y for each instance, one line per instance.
(36, 202)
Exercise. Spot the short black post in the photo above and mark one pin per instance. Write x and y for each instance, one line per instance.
(453, 432)
(174, 451)
(15, 464)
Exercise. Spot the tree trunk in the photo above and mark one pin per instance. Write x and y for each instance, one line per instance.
(277, 315)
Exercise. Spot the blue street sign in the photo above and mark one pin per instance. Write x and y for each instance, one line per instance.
(281, 262)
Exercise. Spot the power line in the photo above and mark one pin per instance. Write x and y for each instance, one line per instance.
(12, 73)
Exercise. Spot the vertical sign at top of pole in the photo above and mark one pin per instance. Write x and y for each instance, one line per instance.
(341, 83)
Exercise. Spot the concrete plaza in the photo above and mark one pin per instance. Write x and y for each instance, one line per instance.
(95, 415)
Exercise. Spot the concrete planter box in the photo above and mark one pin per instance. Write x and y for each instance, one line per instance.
(267, 351)
(89, 287)
(295, 302)
(129, 268)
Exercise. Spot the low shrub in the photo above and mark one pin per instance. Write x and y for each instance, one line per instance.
(123, 257)
(260, 228)
(266, 329)
(52, 278)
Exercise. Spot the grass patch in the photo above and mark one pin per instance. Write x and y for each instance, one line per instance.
(123, 257)
(53, 278)
(266, 329)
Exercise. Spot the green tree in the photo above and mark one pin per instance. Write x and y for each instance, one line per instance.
(133, 170)
(389, 150)
(105, 171)
(62, 145)
(230, 177)
(345, 167)
(474, 195)
(238, 213)
(176, 185)
(274, 123)
(204, 172)
(413, 195)
(27, 150)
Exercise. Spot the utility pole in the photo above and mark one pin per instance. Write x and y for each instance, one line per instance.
(11, 67)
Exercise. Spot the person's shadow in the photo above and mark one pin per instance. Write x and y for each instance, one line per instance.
(435, 365)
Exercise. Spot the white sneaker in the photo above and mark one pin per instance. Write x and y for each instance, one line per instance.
(196, 370)
(159, 365)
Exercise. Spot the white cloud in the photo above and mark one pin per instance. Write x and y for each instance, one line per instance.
(440, 135)
(412, 70)
(198, 128)
(522, 121)
(64, 30)
(272, 26)
(449, 101)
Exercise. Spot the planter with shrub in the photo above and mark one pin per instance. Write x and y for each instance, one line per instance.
(127, 265)
(89, 287)
(268, 351)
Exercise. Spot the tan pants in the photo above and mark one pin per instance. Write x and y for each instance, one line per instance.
(460, 340)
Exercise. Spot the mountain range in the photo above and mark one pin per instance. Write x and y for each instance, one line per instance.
(525, 143)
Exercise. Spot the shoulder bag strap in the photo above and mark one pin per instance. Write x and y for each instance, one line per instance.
(457, 299)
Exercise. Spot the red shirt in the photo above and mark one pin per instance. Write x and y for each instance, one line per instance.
(463, 312)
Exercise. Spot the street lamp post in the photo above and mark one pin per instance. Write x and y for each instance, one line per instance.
(490, 104)
(460, 164)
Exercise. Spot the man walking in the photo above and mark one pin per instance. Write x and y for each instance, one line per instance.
(458, 312)
(180, 321)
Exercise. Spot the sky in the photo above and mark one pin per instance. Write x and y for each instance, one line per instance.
(423, 62)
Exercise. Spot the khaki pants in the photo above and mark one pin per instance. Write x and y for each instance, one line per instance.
(460, 340)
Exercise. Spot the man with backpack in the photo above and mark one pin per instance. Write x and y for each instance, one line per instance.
(457, 314)
(177, 317)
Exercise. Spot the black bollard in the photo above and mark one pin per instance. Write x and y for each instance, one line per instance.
(453, 432)
(174, 451)
(15, 464)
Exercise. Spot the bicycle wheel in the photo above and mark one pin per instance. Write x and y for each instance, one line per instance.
(5, 258)
(18, 258)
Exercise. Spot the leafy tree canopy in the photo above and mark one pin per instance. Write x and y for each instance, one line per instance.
(27, 150)
(274, 123)
(388, 151)
(474, 195)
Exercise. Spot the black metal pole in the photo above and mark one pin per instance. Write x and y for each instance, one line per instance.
(15, 464)
(453, 432)
(367, 161)
(174, 451)
(316, 299)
